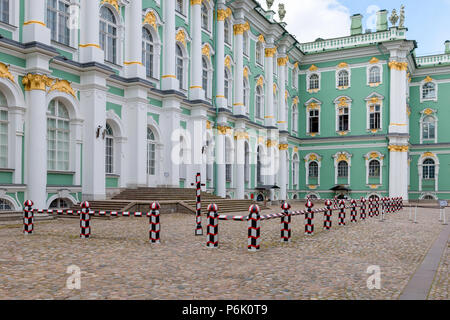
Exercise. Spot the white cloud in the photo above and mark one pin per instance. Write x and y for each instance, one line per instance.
(312, 19)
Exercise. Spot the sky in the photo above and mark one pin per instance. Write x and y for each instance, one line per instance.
(428, 22)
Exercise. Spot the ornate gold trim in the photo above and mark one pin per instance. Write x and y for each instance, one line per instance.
(241, 28)
(36, 82)
(34, 22)
(181, 37)
(113, 3)
(5, 73)
(400, 66)
(283, 146)
(63, 86)
(282, 61)
(223, 14)
(270, 52)
(206, 51)
(150, 19)
(395, 148)
(271, 143)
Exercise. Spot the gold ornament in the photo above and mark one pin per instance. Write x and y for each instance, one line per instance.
(150, 19)
(223, 14)
(241, 28)
(283, 146)
(396, 148)
(62, 86)
(206, 51)
(400, 66)
(36, 82)
(342, 65)
(374, 60)
(283, 61)
(113, 3)
(4, 72)
(270, 52)
(181, 37)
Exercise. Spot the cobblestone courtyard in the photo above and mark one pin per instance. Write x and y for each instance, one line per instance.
(119, 263)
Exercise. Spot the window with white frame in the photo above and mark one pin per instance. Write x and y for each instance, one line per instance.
(180, 65)
(429, 91)
(109, 151)
(343, 119)
(374, 75)
(374, 116)
(313, 120)
(205, 76)
(227, 86)
(314, 82)
(4, 11)
(259, 53)
(342, 169)
(247, 164)
(275, 105)
(228, 160)
(108, 34)
(58, 16)
(295, 169)
(313, 169)
(59, 203)
(205, 17)
(343, 79)
(148, 52)
(151, 152)
(259, 177)
(429, 169)
(5, 205)
(3, 132)
(259, 102)
(295, 77)
(374, 169)
(429, 129)
(227, 32)
(58, 136)
(246, 43)
(246, 96)
(294, 118)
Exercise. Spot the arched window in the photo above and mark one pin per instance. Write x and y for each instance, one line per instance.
(148, 51)
(374, 169)
(313, 169)
(205, 16)
(5, 205)
(109, 152)
(108, 34)
(259, 102)
(58, 20)
(205, 76)
(227, 86)
(374, 75)
(314, 82)
(59, 204)
(58, 136)
(342, 169)
(180, 65)
(429, 169)
(227, 32)
(429, 91)
(294, 118)
(4, 11)
(429, 128)
(151, 152)
(246, 96)
(343, 78)
(3, 132)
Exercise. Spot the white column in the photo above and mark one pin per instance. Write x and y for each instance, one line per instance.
(196, 91)
(269, 114)
(36, 139)
(169, 79)
(283, 170)
(34, 26)
(240, 161)
(398, 128)
(93, 109)
(238, 104)
(136, 119)
(283, 117)
(133, 48)
(220, 59)
(220, 161)
(17, 116)
(170, 121)
(90, 50)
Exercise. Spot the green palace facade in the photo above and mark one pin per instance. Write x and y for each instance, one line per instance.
(101, 95)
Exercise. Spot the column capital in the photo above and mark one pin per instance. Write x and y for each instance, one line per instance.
(36, 82)
(223, 14)
(196, 2)
(239, 29)
(400, 66)
(270, 52)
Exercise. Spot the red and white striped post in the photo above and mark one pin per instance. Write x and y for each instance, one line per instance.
(254, 228)
(286, 223)
(28, 217)
(342, 213)
(327, 215)
(155, 225)
(309, 216)
(85, 221)
(212, 230)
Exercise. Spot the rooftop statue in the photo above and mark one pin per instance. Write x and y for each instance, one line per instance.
(269, 4)
(281, 11)
(393, 18)
(401, 24)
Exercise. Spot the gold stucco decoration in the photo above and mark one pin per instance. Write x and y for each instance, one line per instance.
(62, 86)
(150, 19)
(36, 82)
(400, 66)
(181, 37)
(114, 3)
(5, 73)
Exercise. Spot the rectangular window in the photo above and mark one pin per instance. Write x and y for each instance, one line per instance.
(343, 119)
(57, 20)
(228, 172)
(109, 156)
(314, 121)
(375, 117)
(4, 11)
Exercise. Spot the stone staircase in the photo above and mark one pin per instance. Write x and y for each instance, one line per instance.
(128, 198)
